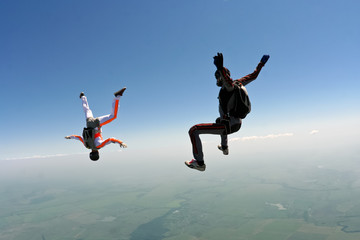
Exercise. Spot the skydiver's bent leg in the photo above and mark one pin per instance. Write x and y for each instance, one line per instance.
(207, 128)
(110, 117)
(224, 139)
(85, 105)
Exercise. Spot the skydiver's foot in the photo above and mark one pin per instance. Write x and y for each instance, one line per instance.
(225, 150)
(82, 94)
(120, 92)
(195, 165)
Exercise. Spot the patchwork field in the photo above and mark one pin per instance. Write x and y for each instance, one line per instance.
(253, 200)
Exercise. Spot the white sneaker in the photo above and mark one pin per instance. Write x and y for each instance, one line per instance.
(194, 164)
(225, 151)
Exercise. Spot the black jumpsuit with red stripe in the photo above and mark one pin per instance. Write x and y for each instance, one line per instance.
(226, 104)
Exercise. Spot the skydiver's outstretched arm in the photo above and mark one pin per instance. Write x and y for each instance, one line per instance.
(112, 140)
(252, 76)
(76, 137)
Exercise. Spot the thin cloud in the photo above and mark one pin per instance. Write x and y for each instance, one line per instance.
(314, 132)
(50, 156)
(41, 156)
(270, 136)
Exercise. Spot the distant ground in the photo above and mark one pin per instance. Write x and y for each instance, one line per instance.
(260, 199)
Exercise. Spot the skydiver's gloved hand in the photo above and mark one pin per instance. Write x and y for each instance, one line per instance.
(67, 137)
(224, 117)
(123, 145)
(219, 61)
(264, 59)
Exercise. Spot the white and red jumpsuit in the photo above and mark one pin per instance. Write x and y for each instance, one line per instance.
(226, 102)
(98, 139)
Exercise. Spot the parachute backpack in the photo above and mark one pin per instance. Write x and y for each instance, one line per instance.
(89, 137)
(242, 101)
(89, 132)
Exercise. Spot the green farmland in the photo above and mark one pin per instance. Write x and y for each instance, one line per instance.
(251, 201)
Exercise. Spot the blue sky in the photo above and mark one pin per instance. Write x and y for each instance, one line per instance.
(162, 52)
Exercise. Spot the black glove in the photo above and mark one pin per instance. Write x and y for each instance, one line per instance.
(219, 61)
(264, 59)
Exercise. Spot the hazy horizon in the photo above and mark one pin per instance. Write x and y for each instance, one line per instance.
(293, 168)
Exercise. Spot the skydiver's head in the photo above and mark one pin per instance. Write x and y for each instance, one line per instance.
(94, 155)
(220, 78)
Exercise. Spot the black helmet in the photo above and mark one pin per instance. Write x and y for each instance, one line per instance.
(94, 155)
(218, 72)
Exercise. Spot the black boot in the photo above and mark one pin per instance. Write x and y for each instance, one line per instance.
(120, 92)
